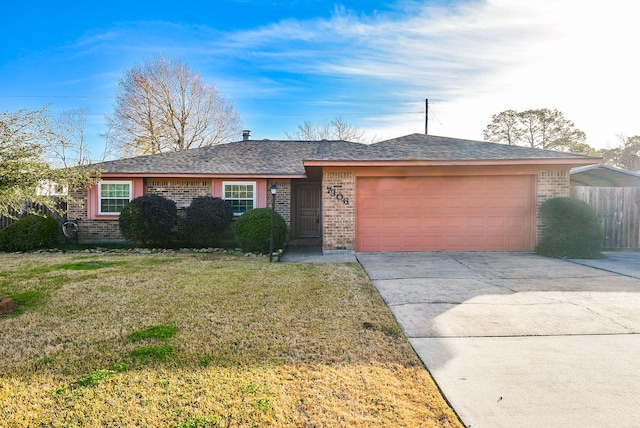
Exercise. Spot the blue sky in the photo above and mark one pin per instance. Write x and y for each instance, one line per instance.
(372, 63)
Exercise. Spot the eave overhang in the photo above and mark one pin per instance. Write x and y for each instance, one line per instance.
(558, 162)
(198, 176)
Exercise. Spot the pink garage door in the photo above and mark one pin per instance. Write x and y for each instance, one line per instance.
(479, 213)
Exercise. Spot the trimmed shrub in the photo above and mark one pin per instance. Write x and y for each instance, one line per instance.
(253, 230)
(571, 229)
(29, 233)
(205, 219)
(149, 219)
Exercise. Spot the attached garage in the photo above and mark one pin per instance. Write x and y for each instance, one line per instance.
(446, 213)
(412, 193)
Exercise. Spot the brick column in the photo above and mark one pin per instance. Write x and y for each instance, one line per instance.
(283, 199)
(550, 184)
(338, 212)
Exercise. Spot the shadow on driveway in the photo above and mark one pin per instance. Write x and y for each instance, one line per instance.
(515, 339)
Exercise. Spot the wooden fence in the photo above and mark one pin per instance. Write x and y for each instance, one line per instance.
(619, 209)
(6, 221)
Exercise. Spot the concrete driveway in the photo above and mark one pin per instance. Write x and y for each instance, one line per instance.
(519, 340)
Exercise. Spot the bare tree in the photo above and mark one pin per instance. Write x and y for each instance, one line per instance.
(162, 105)
(335, 129)
(26, 137)
(69, 147)
(110, 148)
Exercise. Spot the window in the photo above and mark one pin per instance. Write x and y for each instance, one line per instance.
(113, 196)
(241, 195)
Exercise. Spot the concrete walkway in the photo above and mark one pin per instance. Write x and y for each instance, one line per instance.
(622, 262)
(519, 340)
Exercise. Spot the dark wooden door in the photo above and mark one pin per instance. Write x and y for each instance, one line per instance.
(307, 210)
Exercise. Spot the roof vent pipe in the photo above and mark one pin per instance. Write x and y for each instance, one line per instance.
(246, 134)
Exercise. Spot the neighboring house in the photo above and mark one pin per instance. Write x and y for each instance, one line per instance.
(413, 193)
(614, 194)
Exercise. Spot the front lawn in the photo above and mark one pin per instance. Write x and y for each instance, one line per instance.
(204, 340)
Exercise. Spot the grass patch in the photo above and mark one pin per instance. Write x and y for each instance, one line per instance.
(87, 265)
(94, 378)
(26, 301)
(199, 422)
(160, 332)
(149, 353)
(33, 283)
(390, 329)
(259, 345)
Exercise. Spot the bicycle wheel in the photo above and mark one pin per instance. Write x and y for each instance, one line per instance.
(69, 229)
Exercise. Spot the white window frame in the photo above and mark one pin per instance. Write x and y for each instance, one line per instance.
(100, 197)
(240, 183)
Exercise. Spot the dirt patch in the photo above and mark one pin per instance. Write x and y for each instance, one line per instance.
(7, 305)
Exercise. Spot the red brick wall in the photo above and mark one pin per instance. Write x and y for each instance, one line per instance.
(338, 211)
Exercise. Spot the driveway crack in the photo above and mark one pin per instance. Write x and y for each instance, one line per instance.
(627, 328)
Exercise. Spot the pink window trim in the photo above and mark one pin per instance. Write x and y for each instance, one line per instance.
(92, 199)
(261, 190)
(138, 190)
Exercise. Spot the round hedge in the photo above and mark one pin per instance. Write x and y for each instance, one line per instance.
(149, 218)
(29, 233)
(571, 228)
(253, 230)
(206, 218)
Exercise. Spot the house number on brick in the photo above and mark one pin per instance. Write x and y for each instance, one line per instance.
(339, 196)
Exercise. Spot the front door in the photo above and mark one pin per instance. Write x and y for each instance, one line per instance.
(307, 219)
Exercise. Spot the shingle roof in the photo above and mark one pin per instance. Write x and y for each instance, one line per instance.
(430, 147)
(284, 157)
(242, 157)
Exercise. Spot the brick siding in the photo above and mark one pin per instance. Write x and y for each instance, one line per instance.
(550, 184)
(283, 198)
(182, 192)
(338, 211)
(338, 202)
(91, 230)
(339, 218)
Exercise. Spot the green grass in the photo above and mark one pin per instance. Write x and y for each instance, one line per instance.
(199, 422)
(94, 379)
(160, 332)
(204, 340)
(91, 264)
(32, 284)
(146, 354)
(26, 301)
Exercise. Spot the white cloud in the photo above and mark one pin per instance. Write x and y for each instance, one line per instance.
(476, 60)
(471, 59)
